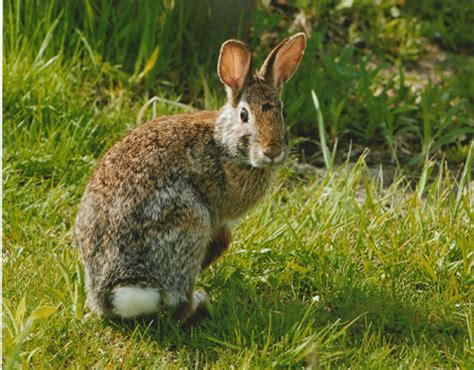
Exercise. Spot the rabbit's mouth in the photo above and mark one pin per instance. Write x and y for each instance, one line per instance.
(264, 159)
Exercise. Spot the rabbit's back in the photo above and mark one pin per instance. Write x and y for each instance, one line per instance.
(158, 151)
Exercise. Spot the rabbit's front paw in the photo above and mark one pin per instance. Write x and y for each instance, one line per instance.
(200, 298)
(217, 247)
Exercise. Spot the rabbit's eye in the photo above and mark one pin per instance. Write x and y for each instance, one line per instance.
(244, 115)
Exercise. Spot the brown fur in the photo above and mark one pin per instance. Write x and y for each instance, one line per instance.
(258, 94)
(217, 246)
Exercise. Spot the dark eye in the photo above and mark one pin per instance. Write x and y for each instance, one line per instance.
(244, 115)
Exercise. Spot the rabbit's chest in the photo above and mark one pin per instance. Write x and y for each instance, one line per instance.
(244, 188)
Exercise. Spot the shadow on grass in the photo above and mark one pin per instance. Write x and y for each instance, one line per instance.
(395, 318)
(241, 316)
(245, 315)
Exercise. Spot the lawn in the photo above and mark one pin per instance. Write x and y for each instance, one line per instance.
(357, 258)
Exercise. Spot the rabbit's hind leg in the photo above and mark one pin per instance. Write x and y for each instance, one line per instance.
(169, 251)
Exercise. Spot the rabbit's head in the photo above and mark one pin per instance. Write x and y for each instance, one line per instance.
(251, 123)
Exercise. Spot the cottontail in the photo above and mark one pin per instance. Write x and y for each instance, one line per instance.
(158, 206)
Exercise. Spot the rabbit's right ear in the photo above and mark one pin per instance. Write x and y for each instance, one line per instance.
(234, 65)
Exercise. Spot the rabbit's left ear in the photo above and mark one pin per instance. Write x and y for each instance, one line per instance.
(283, 60)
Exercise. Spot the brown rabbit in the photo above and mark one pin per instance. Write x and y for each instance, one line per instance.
(159, 204)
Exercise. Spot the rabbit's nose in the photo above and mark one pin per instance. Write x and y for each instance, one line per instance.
(272, 151)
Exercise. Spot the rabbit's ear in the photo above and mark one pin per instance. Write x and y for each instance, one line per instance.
(283, 60)
(234, 65)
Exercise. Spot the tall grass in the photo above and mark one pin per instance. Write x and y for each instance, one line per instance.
(159, 48)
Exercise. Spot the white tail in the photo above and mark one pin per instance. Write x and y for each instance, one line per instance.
(132, 301)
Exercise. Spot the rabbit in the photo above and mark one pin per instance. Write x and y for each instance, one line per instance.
(159, 205)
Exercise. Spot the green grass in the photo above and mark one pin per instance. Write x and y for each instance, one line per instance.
(337, 268)
(333, 267)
